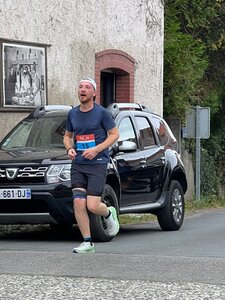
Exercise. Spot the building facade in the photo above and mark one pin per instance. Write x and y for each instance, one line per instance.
(48, 46)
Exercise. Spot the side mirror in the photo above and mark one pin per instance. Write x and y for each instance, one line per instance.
(127, 146)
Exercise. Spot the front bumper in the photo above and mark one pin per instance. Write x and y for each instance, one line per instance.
(48, 204)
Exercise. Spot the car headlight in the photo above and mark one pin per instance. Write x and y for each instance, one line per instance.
(58, 173)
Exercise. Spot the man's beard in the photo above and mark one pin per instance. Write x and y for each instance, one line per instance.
(85, 100)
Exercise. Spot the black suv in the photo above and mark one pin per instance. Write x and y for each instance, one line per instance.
(145, 174)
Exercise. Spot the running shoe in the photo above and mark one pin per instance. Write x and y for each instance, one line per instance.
(85, 247)
(112, 222)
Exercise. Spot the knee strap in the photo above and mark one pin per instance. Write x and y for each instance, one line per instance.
(77, 193)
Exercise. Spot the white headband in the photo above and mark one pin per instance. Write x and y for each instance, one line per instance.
(90, 80)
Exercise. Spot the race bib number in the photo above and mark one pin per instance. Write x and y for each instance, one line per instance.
(85, 141)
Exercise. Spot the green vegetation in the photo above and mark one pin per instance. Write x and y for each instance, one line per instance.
(136, 218)
(194, 74)
(205, 203)
(194, 65)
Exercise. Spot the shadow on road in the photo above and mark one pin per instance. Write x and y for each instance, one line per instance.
(38, 232)
(57, 233)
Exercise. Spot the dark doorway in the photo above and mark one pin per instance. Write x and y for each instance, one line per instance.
(108, 88)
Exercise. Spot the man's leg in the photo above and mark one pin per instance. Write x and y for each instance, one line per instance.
(82, 218)
(96, 183)
(97, 207)
(80, 212)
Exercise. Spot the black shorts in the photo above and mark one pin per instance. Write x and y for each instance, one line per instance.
(90, 177)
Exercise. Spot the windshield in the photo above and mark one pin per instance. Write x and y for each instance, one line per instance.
(41, 133)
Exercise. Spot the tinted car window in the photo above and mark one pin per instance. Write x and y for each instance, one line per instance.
(18, 138)
(126, 131)
(145, 132)
(37, 133)
(164, 133)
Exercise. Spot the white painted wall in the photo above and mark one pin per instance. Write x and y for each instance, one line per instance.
(76, 30)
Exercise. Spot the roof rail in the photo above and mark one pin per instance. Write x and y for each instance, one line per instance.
(43, 109)
(115, 108)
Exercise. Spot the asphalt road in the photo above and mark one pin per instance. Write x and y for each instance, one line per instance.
(142, 262)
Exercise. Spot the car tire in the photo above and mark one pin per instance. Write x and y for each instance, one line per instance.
(97, 223)
(171, 216)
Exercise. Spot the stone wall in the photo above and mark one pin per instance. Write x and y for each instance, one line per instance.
(188, 164)
(175, 125)
(76, 31)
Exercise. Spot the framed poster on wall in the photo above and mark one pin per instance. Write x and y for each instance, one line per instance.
(23, 76)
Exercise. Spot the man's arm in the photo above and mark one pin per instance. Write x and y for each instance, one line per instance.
(113, 135)
(68, 143)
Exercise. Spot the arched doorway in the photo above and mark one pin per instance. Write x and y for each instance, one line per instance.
(114, 74)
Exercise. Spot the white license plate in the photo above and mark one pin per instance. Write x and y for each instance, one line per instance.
(15, 193)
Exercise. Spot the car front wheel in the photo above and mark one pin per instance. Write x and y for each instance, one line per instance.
(171, 216)
(98, 226)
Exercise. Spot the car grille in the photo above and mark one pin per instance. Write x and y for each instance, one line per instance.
(12, 175)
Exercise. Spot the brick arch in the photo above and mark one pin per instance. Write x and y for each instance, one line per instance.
(122, 64)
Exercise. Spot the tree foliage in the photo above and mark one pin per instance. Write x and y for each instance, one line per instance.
(184, 65)
(194, 68)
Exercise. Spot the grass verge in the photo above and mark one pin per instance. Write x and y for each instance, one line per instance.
(204, 203)
(136, 218)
